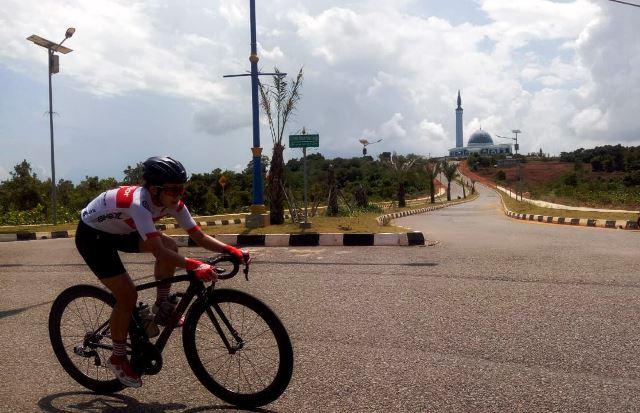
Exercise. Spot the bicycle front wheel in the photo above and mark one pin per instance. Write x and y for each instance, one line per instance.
(238, 348)
(78, 329)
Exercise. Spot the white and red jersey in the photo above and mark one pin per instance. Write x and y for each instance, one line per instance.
(130, 208)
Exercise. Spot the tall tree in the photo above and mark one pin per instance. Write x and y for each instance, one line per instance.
(24, 191)
(401, 166)
(450, 170)
(432, 169)
(279, 103)
(133, 175)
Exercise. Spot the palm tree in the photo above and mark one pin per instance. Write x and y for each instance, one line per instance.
(432, 169)
(449, 170)
(401, 167)
(279, 103)
(461, 182)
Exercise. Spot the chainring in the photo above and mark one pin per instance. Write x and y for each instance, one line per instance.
(146, 359)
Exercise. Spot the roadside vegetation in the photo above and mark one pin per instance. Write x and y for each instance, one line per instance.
(527, 208)
(603, 177)
(358, 184)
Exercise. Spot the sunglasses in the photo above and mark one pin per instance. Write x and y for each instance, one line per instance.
(173, 190)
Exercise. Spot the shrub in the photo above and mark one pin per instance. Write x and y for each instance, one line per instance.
(631, 178)
(571, 179)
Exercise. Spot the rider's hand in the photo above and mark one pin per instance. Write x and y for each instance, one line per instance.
(201, 270)
(234, 251)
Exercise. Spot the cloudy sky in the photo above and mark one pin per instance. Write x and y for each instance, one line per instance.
(145, 77)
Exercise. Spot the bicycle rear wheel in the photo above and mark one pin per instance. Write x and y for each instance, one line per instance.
(256, 367)
(75, 317)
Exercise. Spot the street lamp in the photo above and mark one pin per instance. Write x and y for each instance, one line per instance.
(516, 147)
(366, 143)
(54, 67)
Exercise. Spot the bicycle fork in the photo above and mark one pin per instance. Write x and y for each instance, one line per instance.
(239, 342)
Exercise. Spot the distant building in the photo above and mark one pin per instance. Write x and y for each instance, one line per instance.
(479, 142)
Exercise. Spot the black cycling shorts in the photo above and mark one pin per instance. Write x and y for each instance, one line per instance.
(100, 249)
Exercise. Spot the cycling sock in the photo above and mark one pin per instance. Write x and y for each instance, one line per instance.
(119, 348)
(162, 293)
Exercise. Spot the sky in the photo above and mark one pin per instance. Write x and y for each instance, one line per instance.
(145, 78)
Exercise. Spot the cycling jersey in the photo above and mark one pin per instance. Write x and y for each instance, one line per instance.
(130, 208)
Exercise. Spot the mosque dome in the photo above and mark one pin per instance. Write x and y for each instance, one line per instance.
(480, 138)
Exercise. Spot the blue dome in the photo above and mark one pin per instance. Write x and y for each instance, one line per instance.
(480, 138)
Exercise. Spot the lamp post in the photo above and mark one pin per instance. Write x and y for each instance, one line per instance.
(366, 143)
(54, 67)
(258, 216)
(516, 147)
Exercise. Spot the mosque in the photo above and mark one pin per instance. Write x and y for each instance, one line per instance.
(479, 142)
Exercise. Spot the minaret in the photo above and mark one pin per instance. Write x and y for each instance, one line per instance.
(459, 143)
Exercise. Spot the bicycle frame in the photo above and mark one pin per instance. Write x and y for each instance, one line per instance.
(196, 288)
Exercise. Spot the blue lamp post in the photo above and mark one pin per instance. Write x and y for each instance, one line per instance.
(258, 217)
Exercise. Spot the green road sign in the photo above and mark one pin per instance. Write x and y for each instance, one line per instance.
(304, 141)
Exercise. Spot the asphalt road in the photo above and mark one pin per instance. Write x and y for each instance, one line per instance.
(499, 315)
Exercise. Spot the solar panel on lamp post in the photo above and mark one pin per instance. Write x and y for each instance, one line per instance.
(54, 67)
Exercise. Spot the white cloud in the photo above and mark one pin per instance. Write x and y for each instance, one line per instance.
(589, 120)
(564, 72)
(393, 127)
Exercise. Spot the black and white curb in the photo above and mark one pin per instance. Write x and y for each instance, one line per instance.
(30, 236)
(313, 239)
(388, 217)
(204, 223)
(269, 240)
(585, 222)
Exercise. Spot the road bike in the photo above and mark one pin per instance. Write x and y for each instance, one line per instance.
(235, 344)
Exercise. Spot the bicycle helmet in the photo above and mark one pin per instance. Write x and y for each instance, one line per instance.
(159, 170)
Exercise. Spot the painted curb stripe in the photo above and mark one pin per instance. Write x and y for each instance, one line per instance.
(59, 234)
(250, 240)
(386, 239)
(8, 237)
(231, 239)
(276, 240)
(357, 239)
(415, 238)
(330, 239)
(304, 240)
(26, 236)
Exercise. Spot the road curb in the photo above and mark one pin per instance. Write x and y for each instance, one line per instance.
(314, 239)
(582, 222)
(38, 235)
(546, 219)
(381, 219)
(269, 240)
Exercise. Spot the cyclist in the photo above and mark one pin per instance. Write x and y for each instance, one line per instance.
(122, 219)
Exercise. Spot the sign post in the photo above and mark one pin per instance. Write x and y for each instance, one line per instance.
(304, 141)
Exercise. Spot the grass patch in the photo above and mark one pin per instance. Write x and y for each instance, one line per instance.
(527, 208)
(365, 222)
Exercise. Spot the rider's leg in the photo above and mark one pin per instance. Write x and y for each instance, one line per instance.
(122, 287)
(163, 269)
